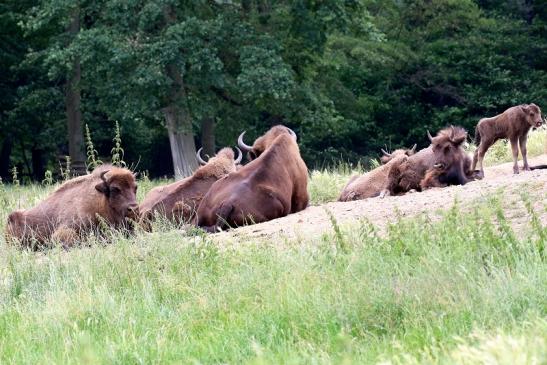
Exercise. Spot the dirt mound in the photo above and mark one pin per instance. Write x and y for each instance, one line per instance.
(315, 220)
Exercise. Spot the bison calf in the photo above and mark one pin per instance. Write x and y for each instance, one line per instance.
(373, 182)
(77, 206)
(178, 201)
(513, 124)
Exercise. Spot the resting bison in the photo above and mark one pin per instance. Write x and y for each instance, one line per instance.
(398, 152)
(513, 124)
(75, 207)
(443, 163)
(178, 201)
(373, 182)
(272, 185)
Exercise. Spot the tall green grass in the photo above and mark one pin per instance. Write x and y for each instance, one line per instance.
(465, 289)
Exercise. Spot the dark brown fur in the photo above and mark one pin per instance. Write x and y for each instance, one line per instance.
(273, 185)
(443, 163)
(178, 201)
(514, 125)
(75, 207)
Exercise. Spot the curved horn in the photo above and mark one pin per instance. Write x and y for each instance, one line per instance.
(102, 175)
(198, 156)
(429, 136)
(413, 149)
(292, 133)
(239, 156)
(242, 144)
(385, 152)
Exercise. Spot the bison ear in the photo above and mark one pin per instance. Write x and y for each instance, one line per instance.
(525, 108)
(103, 188)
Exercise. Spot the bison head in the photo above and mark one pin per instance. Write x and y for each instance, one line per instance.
(120, 189)
(447, 146)
(398, 152)
(264, 142)
(532, 114)
(225, 153)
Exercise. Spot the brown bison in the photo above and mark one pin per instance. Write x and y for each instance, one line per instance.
(272, 185)
(398, 152)
(178, 201)
(443, 163)
(77, 206)
(373, 182)
(513, 124)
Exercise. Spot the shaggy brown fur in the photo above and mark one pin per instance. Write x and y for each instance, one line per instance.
(262, 143)
(75, 207)
(513, 124)
(178, 201)
(273, 185)
(398, 152)
(443, 163)
(373, 182)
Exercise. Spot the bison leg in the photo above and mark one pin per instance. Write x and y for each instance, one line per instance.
(431, 179)
(67, 237)
(479, 156)
(522, 142)
(515, 150)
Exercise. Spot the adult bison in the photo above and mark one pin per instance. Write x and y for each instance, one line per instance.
(373, 182)
(443, 163)
(77, 206)
(178, 201)
(272, 185)
(513, 124)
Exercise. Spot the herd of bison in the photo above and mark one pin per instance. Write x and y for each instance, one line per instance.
(223, 193)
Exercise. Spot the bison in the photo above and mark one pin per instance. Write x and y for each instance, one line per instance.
(108, 194)
(178, 201)
(386, 156)
(443, 163)
(373, 182)
(272, 185)
(513, 124)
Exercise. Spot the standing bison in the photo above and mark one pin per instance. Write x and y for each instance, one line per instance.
(272, 185)
(443, 163)
(178, 201)
(373, 182)
(513, 124)
(77, 206)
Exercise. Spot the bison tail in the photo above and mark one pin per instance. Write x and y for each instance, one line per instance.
(477, 136)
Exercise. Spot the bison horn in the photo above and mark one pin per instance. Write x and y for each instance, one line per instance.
(198, 156)
(292, 133)
(429, 136)
(242, 144)
(413, 149)
(102, 176)
(239, 156)
(385, 152)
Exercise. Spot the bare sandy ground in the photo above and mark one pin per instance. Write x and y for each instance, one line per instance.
(499, 180)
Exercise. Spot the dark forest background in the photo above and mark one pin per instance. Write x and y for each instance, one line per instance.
(348, 76)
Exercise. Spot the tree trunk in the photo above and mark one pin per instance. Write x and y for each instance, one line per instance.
(208, 136)
(181, 139)
(37, 158)
(178, 118)
(5, 154)
(72, 103)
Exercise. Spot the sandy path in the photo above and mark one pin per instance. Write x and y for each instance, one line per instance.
(315, 221)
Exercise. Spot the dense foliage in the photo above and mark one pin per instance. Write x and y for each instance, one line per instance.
(348, 76)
